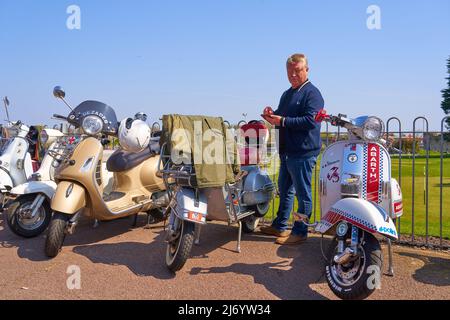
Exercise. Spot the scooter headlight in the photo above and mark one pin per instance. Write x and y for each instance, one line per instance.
(373, 128)
(92, 125)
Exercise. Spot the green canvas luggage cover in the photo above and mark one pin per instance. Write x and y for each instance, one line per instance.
(203, 142)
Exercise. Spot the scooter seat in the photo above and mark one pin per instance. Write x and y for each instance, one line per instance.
(122, 160)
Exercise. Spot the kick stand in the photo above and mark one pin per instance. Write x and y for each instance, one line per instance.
(149, 219)
(238, 249)
(96, 224)
(390, 271)
(198, 229)
(135, 220)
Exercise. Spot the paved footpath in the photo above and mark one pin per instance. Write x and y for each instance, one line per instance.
(119, 262)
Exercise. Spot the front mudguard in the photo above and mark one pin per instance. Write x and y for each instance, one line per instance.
(69, 198)
(45, 187)
(361, 213)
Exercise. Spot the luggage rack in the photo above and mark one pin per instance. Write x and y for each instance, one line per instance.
(175, 176)
(63, 148)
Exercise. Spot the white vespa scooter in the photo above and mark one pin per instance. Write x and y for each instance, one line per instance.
(359, 202)
(15, 161)
(28, 208)
(28, 204)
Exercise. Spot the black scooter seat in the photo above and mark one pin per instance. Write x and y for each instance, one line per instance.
(122, 160)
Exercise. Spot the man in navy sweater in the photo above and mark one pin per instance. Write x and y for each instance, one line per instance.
(299, 146)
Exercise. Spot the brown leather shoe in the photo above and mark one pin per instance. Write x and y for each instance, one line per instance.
(292, 239)
(271, 231)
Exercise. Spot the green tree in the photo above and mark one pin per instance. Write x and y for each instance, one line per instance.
(445, 105)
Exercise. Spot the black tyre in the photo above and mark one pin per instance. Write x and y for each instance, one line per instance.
(261, 209)
(18, 216)
(56, 234)
(156, 215)
(250, 223)
(357, 279)
(180, 245)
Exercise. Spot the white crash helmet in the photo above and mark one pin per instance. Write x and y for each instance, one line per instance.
(134, 135)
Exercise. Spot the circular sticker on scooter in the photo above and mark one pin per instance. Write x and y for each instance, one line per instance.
(352, 158)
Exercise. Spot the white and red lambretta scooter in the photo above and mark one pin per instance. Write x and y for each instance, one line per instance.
(359, 203)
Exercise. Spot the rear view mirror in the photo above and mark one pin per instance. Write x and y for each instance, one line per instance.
(59, 92)
(6, 101)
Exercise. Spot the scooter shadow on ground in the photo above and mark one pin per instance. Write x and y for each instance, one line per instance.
(220, 236)
(33, 249)
(147, 259)
(143, 259)
(289, 279)
(435, 271)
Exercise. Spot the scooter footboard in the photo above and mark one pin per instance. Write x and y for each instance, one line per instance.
(361, 213)
(69, 197)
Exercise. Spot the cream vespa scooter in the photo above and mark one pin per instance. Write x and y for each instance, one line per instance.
(80, 182)
(28, 204)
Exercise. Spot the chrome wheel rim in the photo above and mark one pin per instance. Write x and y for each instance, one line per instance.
(30, 223)
(348, 274)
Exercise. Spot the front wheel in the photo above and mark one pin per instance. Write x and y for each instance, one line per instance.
(56, 234)
(358, 278)
(179, 244)
(20, 219)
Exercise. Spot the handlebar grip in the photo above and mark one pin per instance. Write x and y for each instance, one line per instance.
(57, 116)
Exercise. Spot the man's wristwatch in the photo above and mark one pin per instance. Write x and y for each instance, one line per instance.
(283, 121)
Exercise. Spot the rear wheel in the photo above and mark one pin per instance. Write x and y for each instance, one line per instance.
(358, 278)
(179, 245)
(56, 234)
(21, 222)
(250, 223)
(261, 209)
(156, 215)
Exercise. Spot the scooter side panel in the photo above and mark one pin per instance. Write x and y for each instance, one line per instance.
(330, 175)
(254, 184)
(69, 197)
(361, 213)
(397, 200)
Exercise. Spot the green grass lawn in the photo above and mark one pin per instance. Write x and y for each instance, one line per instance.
(420, 215)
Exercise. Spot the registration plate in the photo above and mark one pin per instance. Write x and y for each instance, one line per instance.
(195, 216)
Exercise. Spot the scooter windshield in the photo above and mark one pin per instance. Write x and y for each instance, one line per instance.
(103, 111)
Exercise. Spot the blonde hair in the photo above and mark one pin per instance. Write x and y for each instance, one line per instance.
(296, 58)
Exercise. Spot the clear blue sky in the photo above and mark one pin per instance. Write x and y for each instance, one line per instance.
(223, 57)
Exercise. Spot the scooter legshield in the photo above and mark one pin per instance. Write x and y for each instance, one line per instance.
(188, 207)
(69, 197)
(359, 212)
(5, 181)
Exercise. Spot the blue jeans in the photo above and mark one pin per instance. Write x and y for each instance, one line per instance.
(294, 178)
